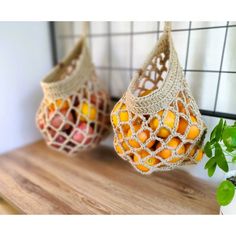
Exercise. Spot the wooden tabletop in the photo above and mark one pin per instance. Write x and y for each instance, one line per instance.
(37, 180)
(6, 209)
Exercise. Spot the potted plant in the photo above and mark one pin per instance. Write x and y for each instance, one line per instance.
(221, 151)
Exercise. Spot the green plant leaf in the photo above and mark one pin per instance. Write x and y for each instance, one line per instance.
(213, 134)
(229, 149)
(211, 170)
(219, 130)
(210, 163)
(234, 159)
(225, 193)
(229, 137)
(220, 158)
(207, 149)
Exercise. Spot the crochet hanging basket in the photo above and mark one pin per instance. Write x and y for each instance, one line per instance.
(157, 123)
(74, 113)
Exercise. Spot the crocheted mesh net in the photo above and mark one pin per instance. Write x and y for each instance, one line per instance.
(74, 114)
(157, 123)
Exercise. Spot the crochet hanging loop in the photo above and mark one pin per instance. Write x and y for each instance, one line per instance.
(85, 29)
(167, 27)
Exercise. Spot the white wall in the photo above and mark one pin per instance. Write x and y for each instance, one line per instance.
(25, 57)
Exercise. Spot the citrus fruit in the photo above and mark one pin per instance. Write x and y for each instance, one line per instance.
(199, 151)
(166, 152)
(125, 128)
(122, 142)
(143, 136)
(145, 92)
(150, 161)
(125, 146)
(154, 123)
(58, 104)
(119, 136)
(169, 121)
(137, 121)
(139, 166)
(192, 152)
(122, 115)
(193, 131)
(117, 147)
(199, 155)
(181, 107)
(114, 117)
(88, 111)
(133, 143)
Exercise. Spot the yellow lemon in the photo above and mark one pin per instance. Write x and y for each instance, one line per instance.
(168, 121)
(88, 111)
(122, 114)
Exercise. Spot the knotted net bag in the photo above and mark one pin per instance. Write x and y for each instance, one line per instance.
(74, 113)
(157, 123)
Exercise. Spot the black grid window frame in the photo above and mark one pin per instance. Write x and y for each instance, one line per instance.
(131, 69)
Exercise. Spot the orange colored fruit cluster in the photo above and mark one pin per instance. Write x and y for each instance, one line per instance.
(75, 120)
(165, 138)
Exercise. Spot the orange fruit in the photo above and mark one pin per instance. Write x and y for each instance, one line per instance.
(142, 136)
(122, 142)
(150, 161)
(133, 143)
(193, 131)
(58, 104)
(166, 153)
(168, 121)
(137, 121)
(192, 151)
(88, 111)
(154, 124)
(114, 117)
(181, 107)
(122, 114)
(125, 128)
(118, 148)
(125, 146)
(199, 155)
(145, 92)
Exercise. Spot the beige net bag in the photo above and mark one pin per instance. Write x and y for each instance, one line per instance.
(74, 113)
(157, 123)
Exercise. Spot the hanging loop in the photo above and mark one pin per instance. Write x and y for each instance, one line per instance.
(85, 29)
(167, 27)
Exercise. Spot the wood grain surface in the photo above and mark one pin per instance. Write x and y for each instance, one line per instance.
(37, 180)
(6, 209)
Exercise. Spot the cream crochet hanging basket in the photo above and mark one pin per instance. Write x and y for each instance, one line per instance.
(74, 113)
(157, 123)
